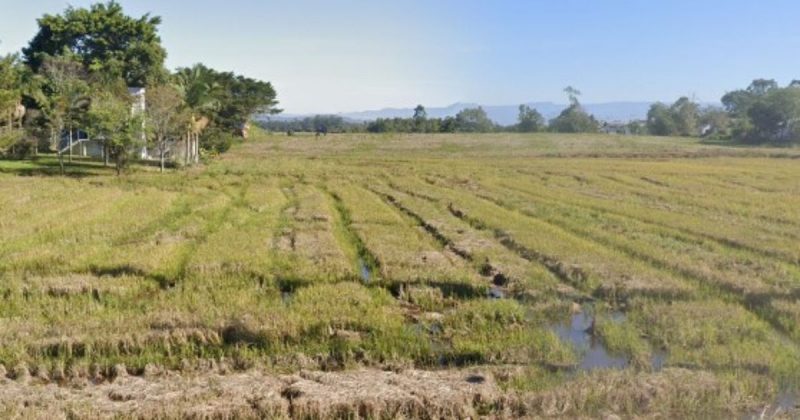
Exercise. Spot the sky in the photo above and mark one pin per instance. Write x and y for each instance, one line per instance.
(351, 55)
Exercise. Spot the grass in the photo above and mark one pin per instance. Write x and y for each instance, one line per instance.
(473, 247)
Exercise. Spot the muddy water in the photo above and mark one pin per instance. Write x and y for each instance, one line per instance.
(785, 405)
(366, 272)
(496, 292)
(788, 401)
(658, 360)
(593, 353)
(286, 297)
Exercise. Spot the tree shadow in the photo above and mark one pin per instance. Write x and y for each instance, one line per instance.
(743, 144)
(80, 167)
(127, 270)
(49, 167)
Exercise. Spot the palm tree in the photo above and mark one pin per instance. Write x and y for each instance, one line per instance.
(201, 92)
(200, 89)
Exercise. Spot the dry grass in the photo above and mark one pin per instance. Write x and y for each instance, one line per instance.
(392, 252)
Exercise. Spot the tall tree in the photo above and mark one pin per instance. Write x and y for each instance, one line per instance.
(679, 119)
(167, 117)
(529, 120)
(685, 114)
(765, 112)
(200, 88)
(574, 119)
(226, 99)
(110, 118)
(10, 95)
(761, 87)
(659, 120)
(10, 89)
(775, 117)
(420, 118)
(473, 120)
(65, 99)
(106, 41)
(572, 95)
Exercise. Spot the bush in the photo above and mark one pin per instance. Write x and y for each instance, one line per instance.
(13, 144)
(217, 140)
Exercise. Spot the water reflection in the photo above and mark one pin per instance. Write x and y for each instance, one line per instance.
(366, 273)
(594, 355)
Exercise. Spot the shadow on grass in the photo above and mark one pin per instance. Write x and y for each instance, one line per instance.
(48, 166)
(461, 291)
(80, 167)
(741, 144)
(126, 270)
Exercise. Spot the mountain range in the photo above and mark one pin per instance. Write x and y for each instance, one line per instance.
(501, 114)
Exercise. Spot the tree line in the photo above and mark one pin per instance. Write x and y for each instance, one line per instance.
(75, 77)
(764, 112)
(574, 119)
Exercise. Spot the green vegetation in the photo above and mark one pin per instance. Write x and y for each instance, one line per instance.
(84, 67)
(376, 251)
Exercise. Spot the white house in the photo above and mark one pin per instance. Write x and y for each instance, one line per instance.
(139, 107)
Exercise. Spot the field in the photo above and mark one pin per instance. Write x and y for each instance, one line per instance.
(407, 275)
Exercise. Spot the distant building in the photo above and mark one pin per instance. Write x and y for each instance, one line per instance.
(631, 128)
(615, 127)
(139, 107)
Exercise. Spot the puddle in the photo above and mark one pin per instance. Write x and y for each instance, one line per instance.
(286, 297)
(366, 273)
(658, 360)
(496, 293)
(788, 401)
(785, 405)
(617, 317)
(593, 353)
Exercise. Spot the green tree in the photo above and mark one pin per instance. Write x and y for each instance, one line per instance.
(242, 98)
(10, 89)
(420, 118)
(761, 87)
(738, 102)
(764, 112)
(529, 120)
(715, 122)
(473, 120)
(228, 100)
(11, 135)
(775, 117)
(64, 100)
(420, 113)
(106, 41)
(679, 119)
(685, 114)
(110, 119)
(200, 89)
(660, 121)
(574, 119)
(166, 117)
(572, 95)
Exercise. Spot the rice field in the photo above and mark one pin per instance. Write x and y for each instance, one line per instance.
(458, 275)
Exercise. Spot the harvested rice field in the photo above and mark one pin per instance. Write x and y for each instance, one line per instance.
(386, 276)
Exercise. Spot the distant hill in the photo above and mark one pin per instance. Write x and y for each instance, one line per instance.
(503, 114)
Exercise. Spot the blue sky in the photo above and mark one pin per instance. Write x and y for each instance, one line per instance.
(347, 55)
